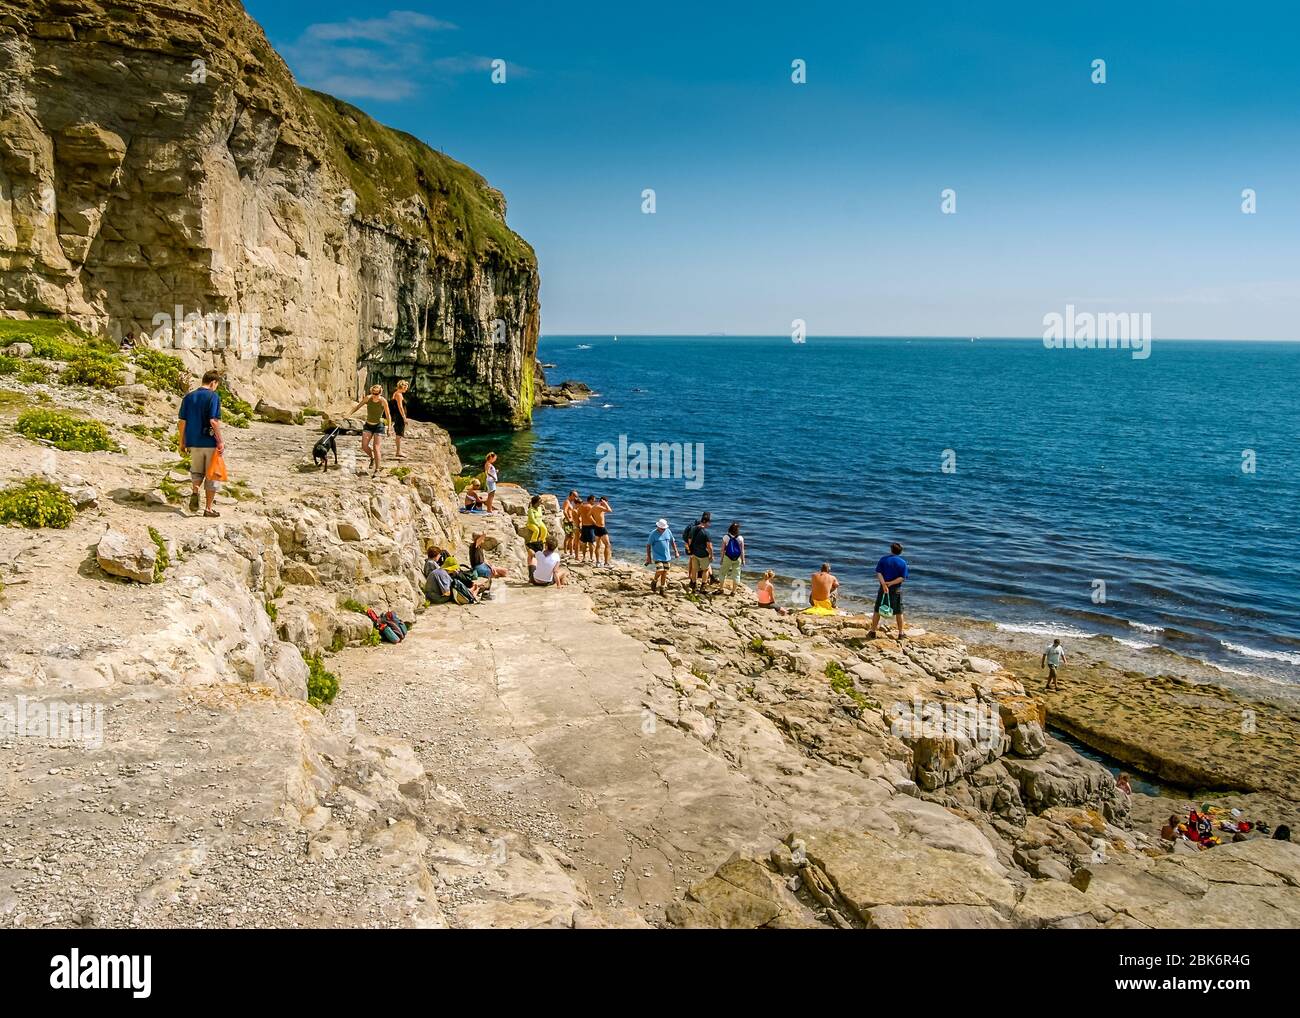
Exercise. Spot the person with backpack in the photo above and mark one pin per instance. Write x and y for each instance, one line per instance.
(198, 432)
(661, 547)
(699, 546)
(733, 557)
(891, 571)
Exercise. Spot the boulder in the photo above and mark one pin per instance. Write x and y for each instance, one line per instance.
(134, 391)
(276, 414)
(127, 555)
(872, 871)
(18, 350)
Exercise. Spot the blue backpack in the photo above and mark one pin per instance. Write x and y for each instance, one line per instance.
(733, 547)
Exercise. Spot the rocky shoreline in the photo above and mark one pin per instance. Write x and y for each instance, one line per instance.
(585, 756)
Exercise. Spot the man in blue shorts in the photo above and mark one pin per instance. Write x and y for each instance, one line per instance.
(891, 571)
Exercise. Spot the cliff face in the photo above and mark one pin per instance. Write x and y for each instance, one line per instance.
(161, 172)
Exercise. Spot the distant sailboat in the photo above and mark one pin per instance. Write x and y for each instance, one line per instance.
(615, 339)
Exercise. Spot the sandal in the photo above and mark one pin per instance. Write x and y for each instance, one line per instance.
(211, 512)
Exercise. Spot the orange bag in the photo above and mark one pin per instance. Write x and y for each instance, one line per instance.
(217, 468)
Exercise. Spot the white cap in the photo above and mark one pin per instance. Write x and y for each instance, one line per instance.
(662, 524)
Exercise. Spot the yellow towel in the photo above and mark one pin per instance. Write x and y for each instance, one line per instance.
(820, 608)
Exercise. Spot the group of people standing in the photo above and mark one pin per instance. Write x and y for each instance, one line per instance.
(585, 534)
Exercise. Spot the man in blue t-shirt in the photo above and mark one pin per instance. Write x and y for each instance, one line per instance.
(660, 548)
(891, 571)
(198, 431)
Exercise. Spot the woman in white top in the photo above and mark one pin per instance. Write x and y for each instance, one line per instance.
(490, 477)
(547, 570)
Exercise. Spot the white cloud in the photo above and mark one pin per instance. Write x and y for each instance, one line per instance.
(385, 58)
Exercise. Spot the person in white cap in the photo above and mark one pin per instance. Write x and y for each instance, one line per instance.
(661, 549)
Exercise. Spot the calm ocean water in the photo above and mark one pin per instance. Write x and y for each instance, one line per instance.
(1064, 468)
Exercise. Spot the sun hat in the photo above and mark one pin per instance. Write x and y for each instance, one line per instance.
(662, 524)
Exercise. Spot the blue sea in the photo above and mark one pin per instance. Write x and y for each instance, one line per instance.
(1019, 478)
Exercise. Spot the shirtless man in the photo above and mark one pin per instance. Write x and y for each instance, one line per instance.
(571, 505)
(824, 585)
(598, 529)
(586, 530)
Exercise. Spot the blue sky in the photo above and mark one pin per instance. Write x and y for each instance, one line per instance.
(821, 201)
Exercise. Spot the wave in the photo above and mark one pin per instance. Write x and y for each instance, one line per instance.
(1143, 627)
(1045, 629)
(1269, 655)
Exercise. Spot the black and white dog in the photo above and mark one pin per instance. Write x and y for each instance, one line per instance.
(323, 447)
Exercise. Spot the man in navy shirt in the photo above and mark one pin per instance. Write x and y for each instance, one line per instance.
(199, 433)
(891, 571)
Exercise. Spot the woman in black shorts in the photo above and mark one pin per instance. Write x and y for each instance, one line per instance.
(397, 407)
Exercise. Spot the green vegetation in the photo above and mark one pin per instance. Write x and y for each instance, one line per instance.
(52, 339)
(229, 401)
(759, 647)
(163, 559)
(842, 683)
(9, 365)
(94, 368)
(155, 433)
(372, 638)
(65, 431)
(353, 605)
(700, 674)
(461, 482)
(272, 611)
(311, 411)
(461, 214)
(163, 372)
(239, 491)
(322, 685)
(234, 411)
(401, 473)
(36, 503)
(337, 643)
(34, 372)
(173, 491)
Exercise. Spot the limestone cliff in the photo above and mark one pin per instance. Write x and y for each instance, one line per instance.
(158, 163)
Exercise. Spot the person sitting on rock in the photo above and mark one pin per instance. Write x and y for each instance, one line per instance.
(767, 593)
(437, 581)
(824, 585)
(484, 573)
(474, 498)
(1170, 830)
(547, 571)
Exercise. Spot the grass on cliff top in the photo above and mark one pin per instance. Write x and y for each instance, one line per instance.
(54, 339)
(461, 209)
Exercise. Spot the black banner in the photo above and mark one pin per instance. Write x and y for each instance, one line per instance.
(213, 967)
